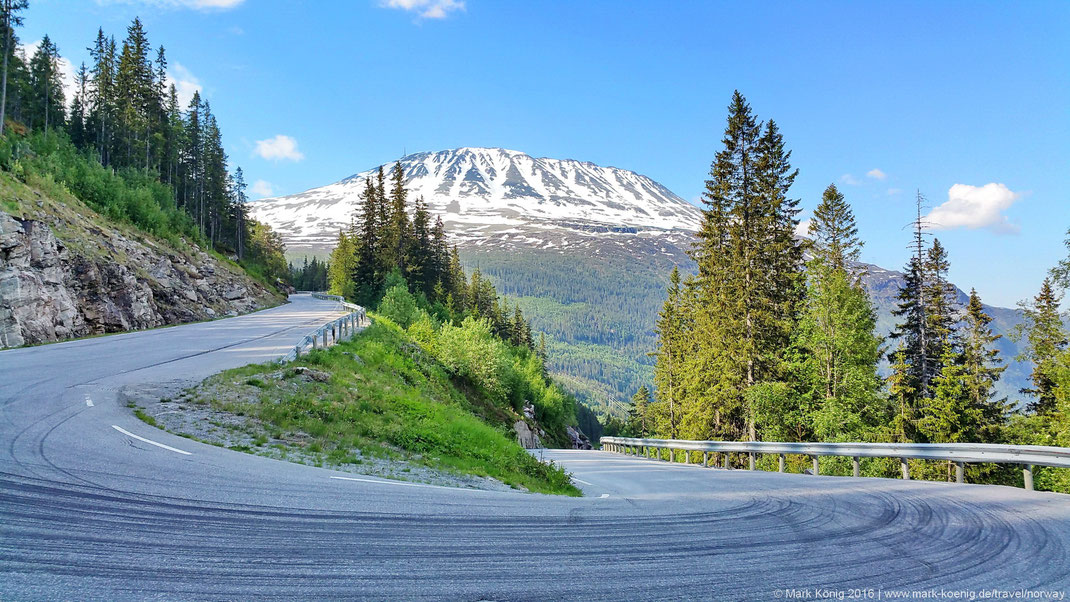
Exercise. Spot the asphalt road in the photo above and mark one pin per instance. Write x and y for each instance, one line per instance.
(89, 511)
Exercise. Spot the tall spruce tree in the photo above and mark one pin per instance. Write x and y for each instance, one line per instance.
(397, 233)
(670, 356)
(9, 20)
(749, 286)
(838, 328)
(368, 272)
(1047, 340)
(48, 102)
(639, 413)
(982, 368)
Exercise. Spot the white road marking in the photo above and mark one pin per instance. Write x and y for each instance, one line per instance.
(149, 441)
(404, 484)
(88, 401)
(582, 481)
(604, 495)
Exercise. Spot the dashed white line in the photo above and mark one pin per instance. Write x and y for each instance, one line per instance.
(604, 495)
(404, 484)
(88, 401)
(149, 441)
(582, 481)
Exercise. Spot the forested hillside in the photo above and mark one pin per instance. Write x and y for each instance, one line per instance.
(146, 167)
(126, 147)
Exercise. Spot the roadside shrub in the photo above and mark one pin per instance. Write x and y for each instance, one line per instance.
(399, 306)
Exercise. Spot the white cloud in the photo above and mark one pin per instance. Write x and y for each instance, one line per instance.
(426, 9)
(66, 71)
(894, 191)
(850, 180)
(193, 4)
(803, 228)
(185, 83)
(262, 188)
(876, 174)
(279, 147)
(975, 207)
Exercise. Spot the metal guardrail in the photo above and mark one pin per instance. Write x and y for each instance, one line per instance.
(959, 453)
(333, 331)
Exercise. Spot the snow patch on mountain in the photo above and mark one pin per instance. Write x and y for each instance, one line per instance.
(495, 193)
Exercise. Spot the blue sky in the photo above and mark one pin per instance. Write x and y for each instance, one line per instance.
(967, 101)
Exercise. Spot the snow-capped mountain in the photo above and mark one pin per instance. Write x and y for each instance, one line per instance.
(498, 197)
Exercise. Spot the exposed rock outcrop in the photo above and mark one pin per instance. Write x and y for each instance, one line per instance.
(103, 281)
(578, 439)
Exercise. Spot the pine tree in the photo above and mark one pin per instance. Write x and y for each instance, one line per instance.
(368, 270)
(949, 417)
(240, 208)
(1046, 341)
(47, 85)
(396, 231)
(670, 355)
(941, 306)
(457, 287)
(749, 285)
(913, 354)
(982, 368)
(638, 414)
(834, 231)
(77, 125)
(102, 93)
(419, 262)
(440, 259)
(9, 20)
(838, 326)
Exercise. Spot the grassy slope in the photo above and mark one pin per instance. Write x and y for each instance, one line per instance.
(394, 400)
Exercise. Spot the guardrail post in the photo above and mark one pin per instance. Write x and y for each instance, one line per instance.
(687, 457)
(960, 472)
(1027, 476)
(727, 461)
(905, 467)
(856, 469)
(780, 464)
(751, 460)
(816, 470)
(705, 459)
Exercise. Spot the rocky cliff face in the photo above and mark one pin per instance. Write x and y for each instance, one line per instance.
(103, 281)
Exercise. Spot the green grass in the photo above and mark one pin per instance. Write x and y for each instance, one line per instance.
(398, 403)
(149, 420)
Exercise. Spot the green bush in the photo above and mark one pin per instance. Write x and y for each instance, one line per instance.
(399, 305)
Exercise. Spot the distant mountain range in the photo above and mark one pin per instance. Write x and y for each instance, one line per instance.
(585, 249)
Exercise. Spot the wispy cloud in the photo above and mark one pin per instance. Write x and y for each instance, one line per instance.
(975, 207)
(205, 5)
(185, 83)
(278, 148)
(262, 188)
(876, 174)
(850, 180)
(426, 9)
(894, 191)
